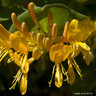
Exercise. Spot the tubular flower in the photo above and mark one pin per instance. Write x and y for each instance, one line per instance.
(19, 44)
(58, 53)
(76, 33)
(68, 46)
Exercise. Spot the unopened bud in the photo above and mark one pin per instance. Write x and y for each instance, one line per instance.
(15, 21)
(23, 84)
(66, 27)
(33, 36)
(25, 30)
(33, 15)
(36, 53)
(48, 43)
(54, 31)
(39, 40)
(50, 22)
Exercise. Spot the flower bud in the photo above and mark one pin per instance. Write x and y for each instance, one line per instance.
(66, 31)
(23, 84)
(33, 36)
(39, 40)
(54, 31)
(36, 53)
(50, 22)
(25, 30)
(33, 15)
(15, 21)
(48, 43)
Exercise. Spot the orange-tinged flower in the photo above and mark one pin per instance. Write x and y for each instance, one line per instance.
(5, 44)
(79, 30)
(58, 53)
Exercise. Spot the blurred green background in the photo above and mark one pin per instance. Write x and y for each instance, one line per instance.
(40, 71)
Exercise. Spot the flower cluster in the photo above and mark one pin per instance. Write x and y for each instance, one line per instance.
(65, 47)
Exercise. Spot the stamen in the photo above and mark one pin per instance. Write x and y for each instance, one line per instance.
(25, 30)
(25, 64)
(77, 67)
(51, 76)
(15, 21)
(3, 54)
(17, 79)
(33, 15)
(15, 56)
(65, 73)
(50, 23)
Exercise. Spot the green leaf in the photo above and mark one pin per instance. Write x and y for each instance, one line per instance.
(61, 14)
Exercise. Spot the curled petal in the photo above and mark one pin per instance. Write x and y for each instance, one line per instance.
(80, 30)
(23, 84)
(58, 77)
(18, 41)
(84, 46)
(86, 56)
(4, 34)
(71, 73)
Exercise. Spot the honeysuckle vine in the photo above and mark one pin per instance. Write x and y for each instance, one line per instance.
(60, 48)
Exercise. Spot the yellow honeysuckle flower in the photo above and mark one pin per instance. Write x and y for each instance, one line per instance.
(23, 84)
(58, 53)
(5, 44)
(22, 79)
(75, 33)
(79, 30)
(17, 78)
(19, 43)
